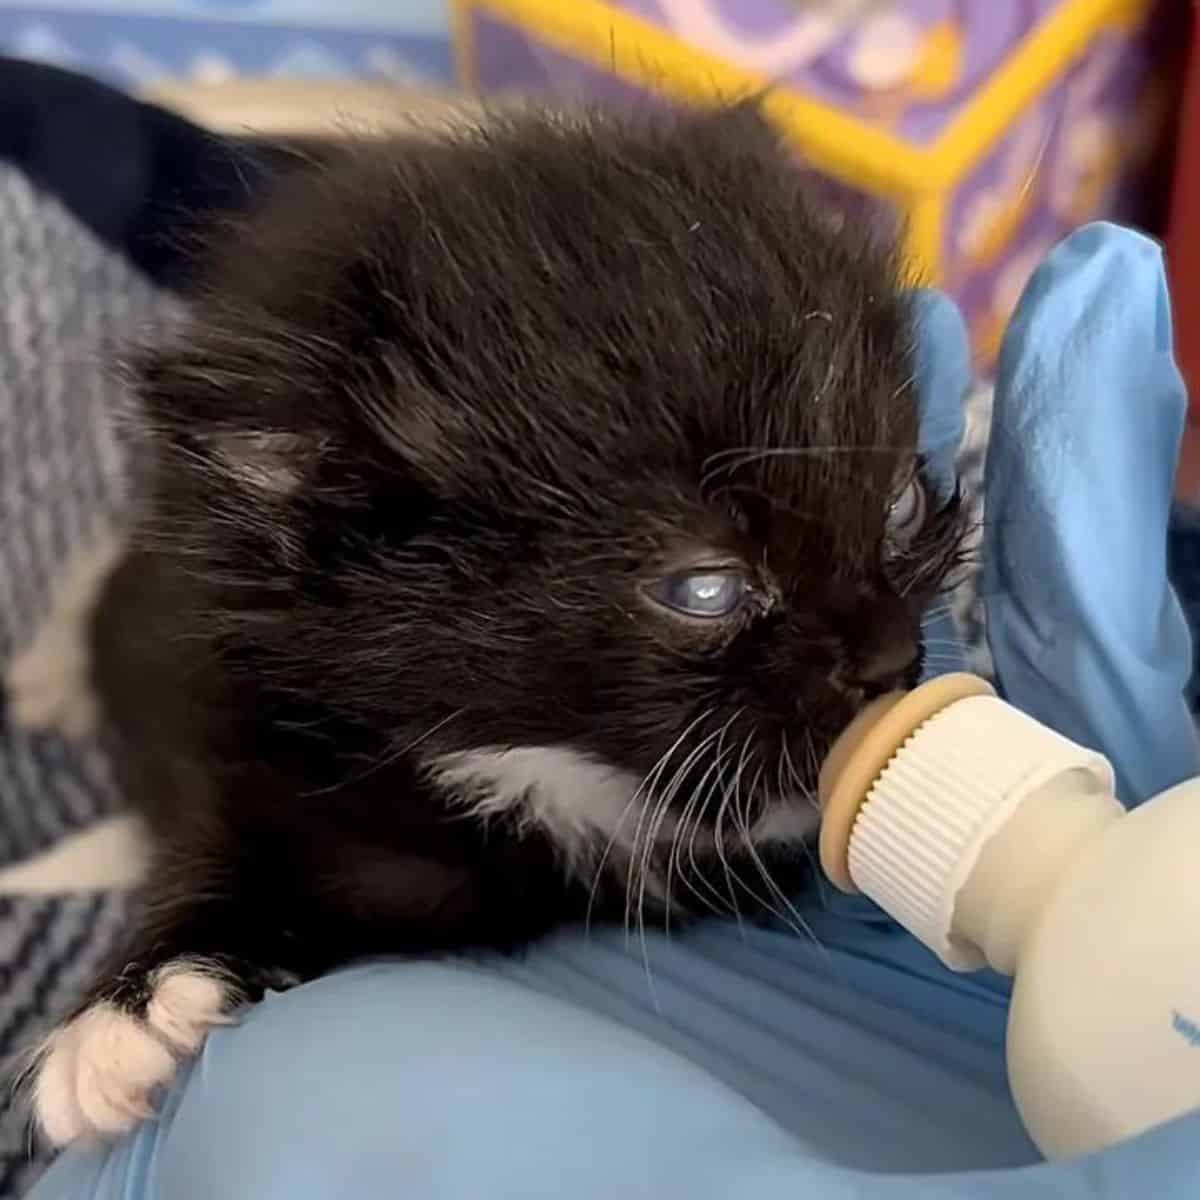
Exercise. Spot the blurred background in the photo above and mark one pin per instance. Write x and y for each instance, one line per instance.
(135, 43)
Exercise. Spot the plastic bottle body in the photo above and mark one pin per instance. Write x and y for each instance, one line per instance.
(996, 841)
(1104, 1027)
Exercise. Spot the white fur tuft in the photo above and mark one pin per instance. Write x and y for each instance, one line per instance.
(579, 802)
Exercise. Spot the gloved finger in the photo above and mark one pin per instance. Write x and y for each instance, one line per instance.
(1086, 633)
(943, 377)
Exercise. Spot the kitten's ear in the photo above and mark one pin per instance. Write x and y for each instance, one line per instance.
(273, 464)
(711, 131)
(226, 407)
(746, 118)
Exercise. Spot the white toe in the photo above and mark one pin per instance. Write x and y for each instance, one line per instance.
(185, 1005)
(98, 1074)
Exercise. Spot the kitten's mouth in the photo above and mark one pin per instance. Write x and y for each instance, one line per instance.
(855, 694)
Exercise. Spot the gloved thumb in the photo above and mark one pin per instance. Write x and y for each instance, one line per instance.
(1085, 630)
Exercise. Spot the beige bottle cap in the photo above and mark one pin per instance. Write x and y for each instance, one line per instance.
(865, 748)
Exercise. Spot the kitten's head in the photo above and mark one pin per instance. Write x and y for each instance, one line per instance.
(573, 458)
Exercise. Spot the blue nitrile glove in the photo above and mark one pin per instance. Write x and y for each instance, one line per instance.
(755, 1063)
(1088, 636)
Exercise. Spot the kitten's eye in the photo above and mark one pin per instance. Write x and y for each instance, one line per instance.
(907, 513)
(701, 593)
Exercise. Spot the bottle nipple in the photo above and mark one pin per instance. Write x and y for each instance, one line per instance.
(862, 751)
(920, 783)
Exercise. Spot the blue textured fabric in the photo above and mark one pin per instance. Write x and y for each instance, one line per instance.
(838, 1063)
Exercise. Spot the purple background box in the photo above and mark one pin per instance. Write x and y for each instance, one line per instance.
(741, 30)
(1080, 150)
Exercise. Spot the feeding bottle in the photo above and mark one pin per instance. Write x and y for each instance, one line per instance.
(1000, 843)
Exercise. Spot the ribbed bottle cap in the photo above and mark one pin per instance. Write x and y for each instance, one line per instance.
(945, 791)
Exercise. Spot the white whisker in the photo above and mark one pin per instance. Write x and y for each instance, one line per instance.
(676, 783)
(647, 789)
(796, 922)
(714, 772)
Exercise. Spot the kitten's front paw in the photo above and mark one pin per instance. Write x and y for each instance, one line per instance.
(97, 1075)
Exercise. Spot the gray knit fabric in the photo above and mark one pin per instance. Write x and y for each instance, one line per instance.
(66, 304)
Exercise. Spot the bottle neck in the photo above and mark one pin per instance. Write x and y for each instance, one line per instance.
(1020, 866)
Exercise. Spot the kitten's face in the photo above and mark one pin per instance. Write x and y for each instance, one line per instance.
(576, 462)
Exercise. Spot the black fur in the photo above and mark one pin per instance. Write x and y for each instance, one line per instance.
(445, 411)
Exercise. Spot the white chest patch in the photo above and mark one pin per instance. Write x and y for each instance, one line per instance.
(581, 804)
(586, 807)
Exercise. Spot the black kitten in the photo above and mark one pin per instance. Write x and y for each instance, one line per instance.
(524, 512)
